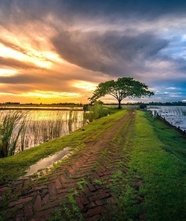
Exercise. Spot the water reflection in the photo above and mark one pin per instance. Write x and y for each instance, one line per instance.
(47, 162)
(175, 115)
(41, 126)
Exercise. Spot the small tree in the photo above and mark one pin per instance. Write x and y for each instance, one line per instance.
(120, 89)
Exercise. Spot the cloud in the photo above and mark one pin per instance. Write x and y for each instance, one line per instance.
(112, 52)
(13, 63)
(96, 41)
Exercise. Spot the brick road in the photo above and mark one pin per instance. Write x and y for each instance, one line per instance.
(77, 190)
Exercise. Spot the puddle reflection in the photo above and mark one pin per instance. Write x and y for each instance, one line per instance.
(47, 162)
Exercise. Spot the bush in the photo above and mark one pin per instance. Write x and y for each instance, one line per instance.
(95, 112)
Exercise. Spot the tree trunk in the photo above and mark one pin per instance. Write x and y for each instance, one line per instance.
(119, 104)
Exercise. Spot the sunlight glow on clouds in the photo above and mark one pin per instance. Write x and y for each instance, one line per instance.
(61, 50)
(7, 72)
(8, 52)
(85, 85)
(50, 94)
(35, 58)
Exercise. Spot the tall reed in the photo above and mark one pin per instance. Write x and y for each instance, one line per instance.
(20, 130)
(46, 129)
(12, 124)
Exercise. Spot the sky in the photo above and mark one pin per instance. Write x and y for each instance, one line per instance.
(55, 51)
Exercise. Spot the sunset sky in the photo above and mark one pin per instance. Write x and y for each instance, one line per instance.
(58, 50)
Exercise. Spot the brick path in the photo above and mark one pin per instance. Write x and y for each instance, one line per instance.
(78, 189)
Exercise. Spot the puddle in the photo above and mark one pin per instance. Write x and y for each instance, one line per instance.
(47, 162)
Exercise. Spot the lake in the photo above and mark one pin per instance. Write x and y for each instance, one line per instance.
(175, 115)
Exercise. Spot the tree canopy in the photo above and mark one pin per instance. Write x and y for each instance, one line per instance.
(120, 89)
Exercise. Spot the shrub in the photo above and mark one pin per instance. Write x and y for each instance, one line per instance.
(96, 111)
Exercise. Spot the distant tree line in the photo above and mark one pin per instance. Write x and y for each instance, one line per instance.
(178, 103)
(36, 104)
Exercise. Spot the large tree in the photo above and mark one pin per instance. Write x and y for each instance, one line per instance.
(120, 89)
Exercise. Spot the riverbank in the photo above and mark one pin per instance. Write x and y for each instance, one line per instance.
(126, 166)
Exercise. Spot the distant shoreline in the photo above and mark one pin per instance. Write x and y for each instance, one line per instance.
(42, 108)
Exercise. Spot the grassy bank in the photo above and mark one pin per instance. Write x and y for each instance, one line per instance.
(144, 161)
(154, 187)
(14, 166)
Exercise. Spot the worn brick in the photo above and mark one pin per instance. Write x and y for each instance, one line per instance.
(20, 201)
(19, 206)
(43, 192)
(84, 200)
(40, 188)
(63, 179)
(94, 218)
(44, 214)
(100, 202)
(20, 215)
(3, 189)
(91, 205)
(94, 197)
(100, 174)
(37, 203)
(81, 207)
(54, 203)
(96, 176)
(45, 199)
(104, 195)
(18, 187)
(91, 187)
(28, 210)
(93, 211)
(58, 184)
(52, 189)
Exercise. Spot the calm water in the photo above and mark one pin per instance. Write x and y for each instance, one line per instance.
(42, 126)
(175, 115)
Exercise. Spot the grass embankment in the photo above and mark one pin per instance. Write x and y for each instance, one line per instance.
(14, 166)
(154, 187)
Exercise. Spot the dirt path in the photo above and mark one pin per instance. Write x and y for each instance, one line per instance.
(77, 190)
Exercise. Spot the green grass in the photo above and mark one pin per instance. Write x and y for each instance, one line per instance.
(160, 170)
(14, 166)
(157, 162)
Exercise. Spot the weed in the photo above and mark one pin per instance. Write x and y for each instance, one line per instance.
(98, 182)
(74, 205)
(3, 216)
(70, 210)
(81, 184)
(57, 216)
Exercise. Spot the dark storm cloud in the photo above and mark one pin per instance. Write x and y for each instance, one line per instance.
(111, 52)
(112, 9)
(69, 10)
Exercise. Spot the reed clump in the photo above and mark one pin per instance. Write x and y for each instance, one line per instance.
(12, 125)
(20, 130)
